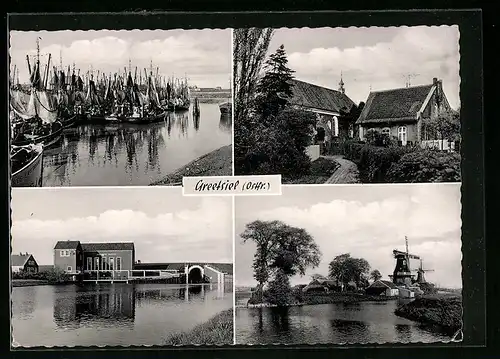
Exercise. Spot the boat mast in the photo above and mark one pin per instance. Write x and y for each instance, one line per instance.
(407, 253)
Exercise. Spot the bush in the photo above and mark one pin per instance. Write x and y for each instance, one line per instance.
(426, 166)
(279, 291)
(54, 275)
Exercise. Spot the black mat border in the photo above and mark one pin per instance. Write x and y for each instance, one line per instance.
(471, 93)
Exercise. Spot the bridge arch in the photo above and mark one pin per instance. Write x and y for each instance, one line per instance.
(195, 273)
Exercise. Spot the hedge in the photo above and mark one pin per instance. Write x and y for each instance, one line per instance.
(407, 164)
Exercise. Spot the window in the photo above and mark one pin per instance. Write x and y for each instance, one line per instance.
(69, 269)
(89, 263)
(386, 131)
(96, 263)
(118, 263)
(31, 263)
(104, 263)
(64, 253)
(402, 137)
(111, 263)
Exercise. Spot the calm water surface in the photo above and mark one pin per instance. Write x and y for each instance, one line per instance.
(365, 322)
(130, 154)
(111, 314)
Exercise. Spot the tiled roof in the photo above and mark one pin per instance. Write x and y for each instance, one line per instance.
(110, 246)
(389, 284)
(67, 245)
(18, 260)
(394, 105)
(321, 98)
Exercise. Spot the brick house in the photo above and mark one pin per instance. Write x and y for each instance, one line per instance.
(23, 262)
(331, 107)
(68, 257)
(400, 112)
(74, 257)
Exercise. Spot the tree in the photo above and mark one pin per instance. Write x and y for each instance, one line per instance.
(275, 87)
(279, 291)
(346, 269)
(375, 275)
(446, 126)
(249, 51)
(280, 249)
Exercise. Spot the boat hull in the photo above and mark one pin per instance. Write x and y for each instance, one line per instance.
(47, 140)
(137, 120)
(31, 174)
(70, 122)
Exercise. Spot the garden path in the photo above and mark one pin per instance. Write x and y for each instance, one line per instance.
(346, 173)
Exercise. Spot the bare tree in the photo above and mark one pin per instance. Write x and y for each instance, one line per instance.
(249, 52)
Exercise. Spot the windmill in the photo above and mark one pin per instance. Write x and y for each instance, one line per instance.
(421, 273)
(402, 272)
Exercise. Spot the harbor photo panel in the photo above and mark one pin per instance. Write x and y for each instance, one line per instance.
(119, 108)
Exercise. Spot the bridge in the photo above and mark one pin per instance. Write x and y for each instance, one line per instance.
(216, 273)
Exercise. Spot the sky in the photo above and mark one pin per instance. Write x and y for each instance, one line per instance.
(164, 225)
(376, 57)
(204, 56)
(367, 222)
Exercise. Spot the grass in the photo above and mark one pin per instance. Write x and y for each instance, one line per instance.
(218, 330)
(320, 171)
(215, 163)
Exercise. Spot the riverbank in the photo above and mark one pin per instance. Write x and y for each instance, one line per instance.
(443, 310)
(323, 298)
(218, 330)
(215, 163)
(29, 282)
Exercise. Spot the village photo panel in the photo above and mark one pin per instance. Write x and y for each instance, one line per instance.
(120, 267)
(348, 105)
(378, 264)
(119, 107)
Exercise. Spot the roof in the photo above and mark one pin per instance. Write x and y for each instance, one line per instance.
(110, 246)
(226, 268)
(400, 104)
(389, 284)
(19, 260)
(321, 98)
(67, 245)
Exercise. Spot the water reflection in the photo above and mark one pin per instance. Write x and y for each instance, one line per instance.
(225, 122)
(131, 154)
(364, 322)
(111, 314)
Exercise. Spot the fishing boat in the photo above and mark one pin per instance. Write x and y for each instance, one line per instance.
(70, 121)
(26, 165)
(47, 134)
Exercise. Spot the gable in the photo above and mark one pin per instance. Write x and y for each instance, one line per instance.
(394, 105)
(19, 260)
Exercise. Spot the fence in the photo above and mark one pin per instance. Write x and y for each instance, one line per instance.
(443, 145)
(125, 275)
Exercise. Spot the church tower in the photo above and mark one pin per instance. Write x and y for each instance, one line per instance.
(341, 84)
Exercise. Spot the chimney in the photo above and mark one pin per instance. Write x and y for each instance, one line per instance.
(434, 81)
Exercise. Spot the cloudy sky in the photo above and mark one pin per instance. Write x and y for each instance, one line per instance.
(379, 57)
(164, 225)
(204, 56)
(367, 222)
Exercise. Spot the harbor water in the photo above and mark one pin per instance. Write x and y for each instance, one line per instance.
(363, 322)
(134, 154)
(111, 314)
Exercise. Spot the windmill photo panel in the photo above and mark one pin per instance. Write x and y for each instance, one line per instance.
(118, 107)
(348, 105)
(120, 267)
(349, 265)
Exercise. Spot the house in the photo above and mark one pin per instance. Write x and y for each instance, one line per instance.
(68, 257)
(74, 257)
(400, 113)
(322, 285)
(23, 262)
(332, 108)
(383, 288)
(108, 256)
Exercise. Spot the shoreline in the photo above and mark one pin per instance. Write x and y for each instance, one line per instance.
(218, 330)
(215, 163)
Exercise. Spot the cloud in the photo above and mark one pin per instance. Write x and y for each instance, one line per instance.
(182, 53)
(203, 234)
(427, 51)
(371, 230)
